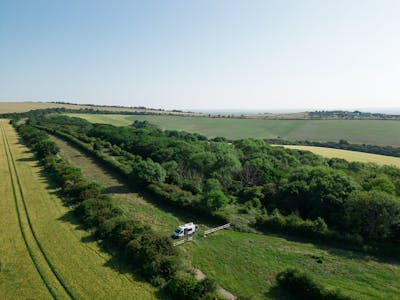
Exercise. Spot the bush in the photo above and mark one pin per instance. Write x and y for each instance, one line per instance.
(183, 286)
(174, 194)
(303, 286)
(153, 255)
(96, 211)
(147, 171)
(91, 191)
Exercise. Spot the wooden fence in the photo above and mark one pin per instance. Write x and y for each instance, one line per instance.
(216, 229)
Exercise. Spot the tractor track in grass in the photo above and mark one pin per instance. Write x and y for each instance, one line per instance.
(16, 185)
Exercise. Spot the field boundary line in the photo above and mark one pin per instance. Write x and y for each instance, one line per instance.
(50, 264)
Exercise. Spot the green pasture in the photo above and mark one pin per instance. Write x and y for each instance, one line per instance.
(375, 132)
(246, 264)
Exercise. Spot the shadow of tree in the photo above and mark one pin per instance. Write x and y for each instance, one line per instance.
(27, 159)
(349, 251)
(277, 293)
(117, 189)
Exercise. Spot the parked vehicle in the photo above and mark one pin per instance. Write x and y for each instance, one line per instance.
(185, 230)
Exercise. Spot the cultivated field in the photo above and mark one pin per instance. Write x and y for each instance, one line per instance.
(374, 132)
(43, 252)
(10, 107)
(246, 264)
(349, 155)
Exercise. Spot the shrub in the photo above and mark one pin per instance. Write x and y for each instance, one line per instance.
(303, 286)
(147, 171)
(183, 286)
(91, 190)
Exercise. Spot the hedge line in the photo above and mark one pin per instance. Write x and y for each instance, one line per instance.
(151, 254)
(173, 194)
(313, 229)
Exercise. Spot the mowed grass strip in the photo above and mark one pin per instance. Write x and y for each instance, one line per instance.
(375, 132)
(247, 264)
(88, 272)
(348, 155)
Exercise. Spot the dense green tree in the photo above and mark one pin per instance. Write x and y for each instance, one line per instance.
(147, 171)
(374, 214)
(214, 196)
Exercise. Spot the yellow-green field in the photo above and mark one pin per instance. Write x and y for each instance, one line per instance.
(349, 155)
(10, 107)
(43, 252)
(19, 107)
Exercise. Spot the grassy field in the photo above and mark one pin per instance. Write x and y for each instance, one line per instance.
(348, 155)
(245, 263)
(355, 131)
(44, 252)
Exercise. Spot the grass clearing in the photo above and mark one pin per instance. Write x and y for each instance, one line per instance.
(348, 155)
(246, 264)
(85, 270)
(375, 132)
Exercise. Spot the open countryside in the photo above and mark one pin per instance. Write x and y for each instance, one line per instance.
(200, 150)
(43, 250)
(246, 263)
(376, 132)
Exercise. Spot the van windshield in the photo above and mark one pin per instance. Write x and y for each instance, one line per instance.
(178, 230)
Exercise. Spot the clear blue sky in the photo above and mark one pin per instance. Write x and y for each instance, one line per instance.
(202, 54)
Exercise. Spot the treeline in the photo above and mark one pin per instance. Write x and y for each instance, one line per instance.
(359, 202)
(344, 145)
(139, 173)
(149, 253)
(351, 115)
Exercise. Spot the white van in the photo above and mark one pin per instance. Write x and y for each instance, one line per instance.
(184, 230)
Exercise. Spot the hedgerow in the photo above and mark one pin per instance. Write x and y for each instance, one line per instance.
(146, 251)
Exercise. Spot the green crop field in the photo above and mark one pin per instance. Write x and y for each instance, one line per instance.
(374, 132)
(43, 252)
(349, 155)
(245, 263)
